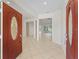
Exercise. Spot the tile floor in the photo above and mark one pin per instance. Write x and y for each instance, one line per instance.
(42, 49)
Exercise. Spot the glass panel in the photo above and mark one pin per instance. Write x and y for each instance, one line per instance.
(14, 28)
(70, 28)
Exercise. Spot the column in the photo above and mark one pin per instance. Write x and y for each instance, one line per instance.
(37, 29)
(34, 29)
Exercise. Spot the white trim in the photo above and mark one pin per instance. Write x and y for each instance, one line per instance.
(1, 36)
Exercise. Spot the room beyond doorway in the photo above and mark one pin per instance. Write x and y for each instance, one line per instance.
(45, 28)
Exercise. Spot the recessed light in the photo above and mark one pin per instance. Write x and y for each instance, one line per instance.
(45, 3)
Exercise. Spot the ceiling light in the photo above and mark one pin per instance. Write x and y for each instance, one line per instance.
(45, 3)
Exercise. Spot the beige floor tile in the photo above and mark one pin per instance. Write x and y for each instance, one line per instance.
(42, 49)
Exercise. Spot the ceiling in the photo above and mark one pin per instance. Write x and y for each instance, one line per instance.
(39, 6)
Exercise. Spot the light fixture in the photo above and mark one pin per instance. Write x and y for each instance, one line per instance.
(45, 3)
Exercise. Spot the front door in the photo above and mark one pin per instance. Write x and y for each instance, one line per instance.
(72, 29)
(12, 32)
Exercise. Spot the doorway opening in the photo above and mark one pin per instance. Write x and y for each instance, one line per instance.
(30, 29)
(45, 28)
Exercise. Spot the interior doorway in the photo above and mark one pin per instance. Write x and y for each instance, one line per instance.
(30, 29)
(45, 28)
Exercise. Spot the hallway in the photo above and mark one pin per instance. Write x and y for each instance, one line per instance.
(42, 49)
(39, 30)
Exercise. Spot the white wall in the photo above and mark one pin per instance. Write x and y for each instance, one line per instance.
(23, 31)
(31, 29)
(64, 24)
(58, 26)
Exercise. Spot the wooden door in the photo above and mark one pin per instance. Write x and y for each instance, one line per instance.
(12, 47)
(72, 45)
